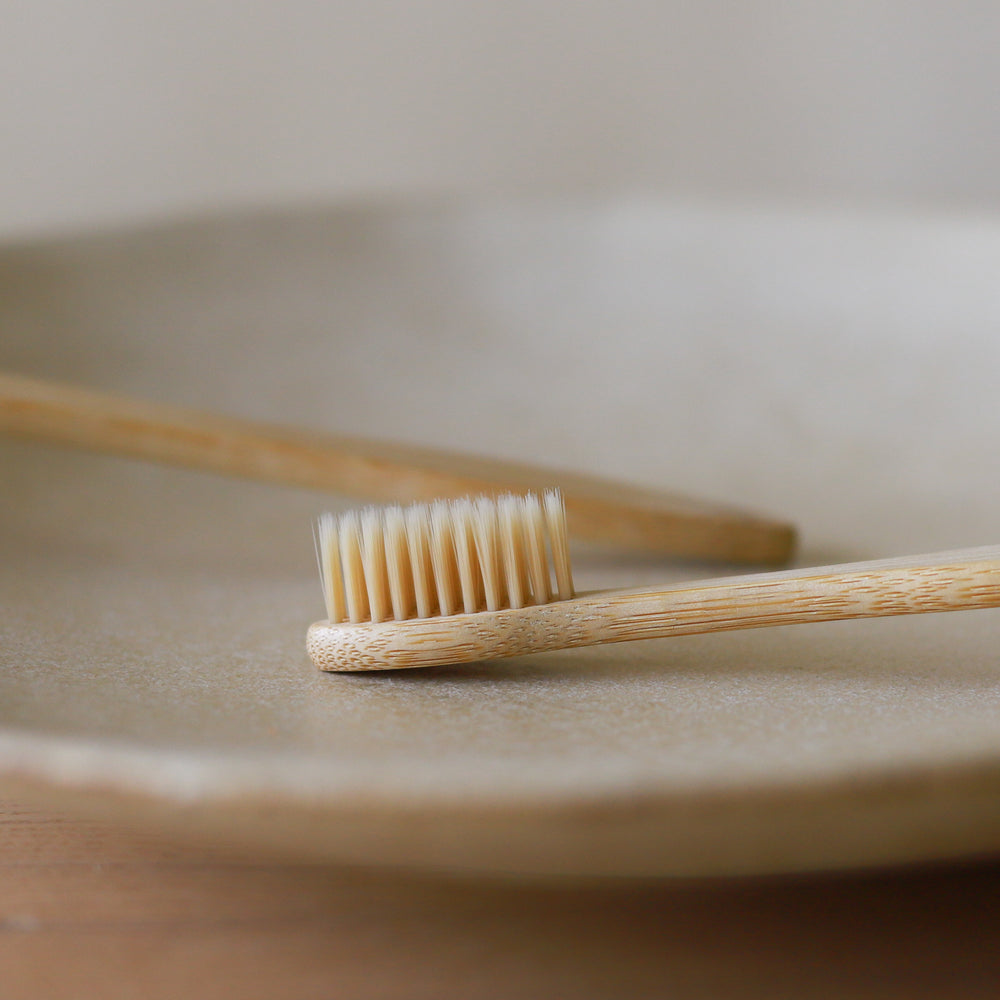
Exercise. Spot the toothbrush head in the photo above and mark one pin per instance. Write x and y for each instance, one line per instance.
(460, 563)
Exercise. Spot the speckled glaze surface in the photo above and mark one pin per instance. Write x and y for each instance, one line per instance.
(836, 371)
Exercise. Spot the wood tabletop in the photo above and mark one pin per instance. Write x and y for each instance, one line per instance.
(92, 910)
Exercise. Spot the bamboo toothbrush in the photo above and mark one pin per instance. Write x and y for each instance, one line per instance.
(467, 580)
(602, 511)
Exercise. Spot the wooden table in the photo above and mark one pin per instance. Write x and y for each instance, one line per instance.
(91, 910)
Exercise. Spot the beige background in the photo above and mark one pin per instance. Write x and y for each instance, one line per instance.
(116, 111)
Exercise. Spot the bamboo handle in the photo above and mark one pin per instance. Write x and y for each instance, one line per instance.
(948, 581)
(599, 510)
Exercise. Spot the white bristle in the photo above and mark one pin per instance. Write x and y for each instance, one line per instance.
(444, 558)
(534, 547)
(328, 556)
(555, 519)
(373, 557)
(469, 575)
(486, 531)
(355, 589)
(512, 550)
(397, 563)
(418, 546)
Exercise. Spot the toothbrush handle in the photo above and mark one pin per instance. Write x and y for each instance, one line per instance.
(599, 510)
(946, 581)
(949, 581)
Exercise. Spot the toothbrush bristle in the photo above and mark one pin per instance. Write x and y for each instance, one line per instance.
(444, 558)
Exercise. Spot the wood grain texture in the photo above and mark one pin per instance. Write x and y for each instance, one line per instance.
(599, 509)
(95, 910)
(949, 581)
